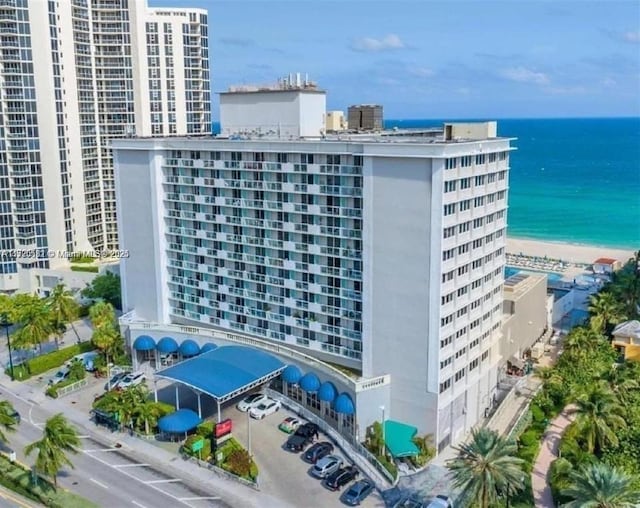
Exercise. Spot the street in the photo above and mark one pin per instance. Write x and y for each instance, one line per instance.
(106, 475)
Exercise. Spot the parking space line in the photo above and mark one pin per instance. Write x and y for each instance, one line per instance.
(84, 437)
(170, 480)
(138, 504)
(99, 483)
(95, 450)
(118, 466)
(97, 458)
(203, 498)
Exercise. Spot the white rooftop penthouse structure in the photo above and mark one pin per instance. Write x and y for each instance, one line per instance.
(382, 253)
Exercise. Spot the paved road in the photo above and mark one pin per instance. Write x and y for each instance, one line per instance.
(9, 499)
(107, 475)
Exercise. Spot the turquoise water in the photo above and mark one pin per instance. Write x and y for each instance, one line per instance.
(551, 276)
(572, 180)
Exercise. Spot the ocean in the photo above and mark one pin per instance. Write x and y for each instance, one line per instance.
(572, 180)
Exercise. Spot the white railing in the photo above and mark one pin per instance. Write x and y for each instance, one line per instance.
(74, 387)
(355, 385)
(353, 450)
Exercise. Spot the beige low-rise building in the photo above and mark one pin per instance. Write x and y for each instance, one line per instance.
(525, 315)
(335, 121)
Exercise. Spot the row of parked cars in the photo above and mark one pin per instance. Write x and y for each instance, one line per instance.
(303, 438)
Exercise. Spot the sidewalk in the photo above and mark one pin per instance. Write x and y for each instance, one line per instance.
(14, 499)
(235, 494)
(548, 453)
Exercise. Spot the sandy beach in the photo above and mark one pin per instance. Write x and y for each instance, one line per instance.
(565, 251)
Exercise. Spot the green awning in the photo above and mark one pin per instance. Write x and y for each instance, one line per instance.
(398, 438)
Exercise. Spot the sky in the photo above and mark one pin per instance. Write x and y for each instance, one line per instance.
(436, 59)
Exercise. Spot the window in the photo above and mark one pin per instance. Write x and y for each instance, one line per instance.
(445, 385)
(480, 180)
(446, 362)
(460, 353)
(464, 227)
(446, 320)
(450, 186)
(447, 298)
(448, 276)
(448, 254)
(465, 183)
(450, 163)
(459, 375)
(473, 364)
(449, 209)
(449, 232)
(479, 159)
(465, 161)
(447, 341)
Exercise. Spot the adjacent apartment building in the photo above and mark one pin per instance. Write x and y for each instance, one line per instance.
(75, 75)
(381, 253)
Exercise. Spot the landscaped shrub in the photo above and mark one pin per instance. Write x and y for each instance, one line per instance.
(85, 268)
(239, 463)
(537, 414)
(163, 408)
(205, 429)
(20, 372)
(529, 438)
(41, 364)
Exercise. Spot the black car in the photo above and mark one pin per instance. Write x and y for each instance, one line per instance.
(16, 417)
(341, 477)
(317, 451)
(357, 492)
(304, 435)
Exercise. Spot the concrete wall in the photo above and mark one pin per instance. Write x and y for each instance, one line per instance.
(289, 113)
(335, 121)
(137, 225)
(529, 319)
(396, 283)
(562, 306)
(474, 130)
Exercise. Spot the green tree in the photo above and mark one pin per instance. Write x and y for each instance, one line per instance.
(105, 332)
(146, 416)
(58, 439)
(64, 310)
(239, 462)
(132, 399)
(601, 486)
(599, 416)
(7, 419)
(486, 468)
(605, 311)
(105, 287)
(626, 286)
(35, 323)
(427, 450)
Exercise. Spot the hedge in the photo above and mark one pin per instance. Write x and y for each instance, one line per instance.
(46, 362)
(85, 268)
(206, 429)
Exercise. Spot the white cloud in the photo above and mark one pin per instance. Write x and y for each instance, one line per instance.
(388, 42)
(632, 37)
(524, 75)
(421, 72)
(608, 82)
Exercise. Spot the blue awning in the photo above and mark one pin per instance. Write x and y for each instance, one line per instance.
(291, 374)
(344, 404)
(167, 345)
(225, 372)
(310, 382)
(144, 343)
(209, 346)
(327, 392)
(181, 421)
(189, 348)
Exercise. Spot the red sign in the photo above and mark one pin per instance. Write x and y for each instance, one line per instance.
(223, 428)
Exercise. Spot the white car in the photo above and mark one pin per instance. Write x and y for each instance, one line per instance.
(252, 400)
(265, 408)
(60, 376)
(131, 379)
(326, 466)
(440, 501)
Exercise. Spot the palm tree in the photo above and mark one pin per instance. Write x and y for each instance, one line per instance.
(601, 486)
(626, 286)
(580, 340)
(146, 414)
(486, 467)
(599, 416)
(63, 309)
(105, 332)
(132, 399)
(624, 380)
(7, 419)
(548, 375)
(102, 314)
(58, 437)
(31, 313)
(605, 311)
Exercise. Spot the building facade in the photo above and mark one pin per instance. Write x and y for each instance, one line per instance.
(380, 254)
(75, 75)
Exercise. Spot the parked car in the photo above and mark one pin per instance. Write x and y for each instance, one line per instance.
(60, 376)
(318, 451)
(357, 493)
(410, 501)
(265, 408)
(341, 477)
(440, 501)
(302, 437)
(326, 466)
(87, 360)
(16, 417)
(131, 379)
(290, 424)
(113, 382)
(250, 401)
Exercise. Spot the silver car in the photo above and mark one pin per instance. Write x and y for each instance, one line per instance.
(326, 466)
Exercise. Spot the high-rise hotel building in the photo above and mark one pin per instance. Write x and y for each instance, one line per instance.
(76, 74)
(383, 253)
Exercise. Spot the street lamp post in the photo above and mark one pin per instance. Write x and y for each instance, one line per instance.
(383, 436)
(249, 433)
(6, 324)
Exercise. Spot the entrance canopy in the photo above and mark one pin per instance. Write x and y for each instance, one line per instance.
(225, 372)
(398, 438)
